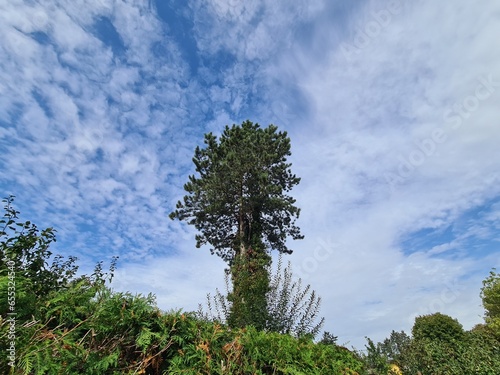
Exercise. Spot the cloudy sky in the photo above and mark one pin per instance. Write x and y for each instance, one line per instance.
(392, 108)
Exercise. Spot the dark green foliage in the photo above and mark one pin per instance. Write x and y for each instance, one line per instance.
(247, 300)
(36, 287)
(119, 333)
(480, 353)
(328, 339)
(395, 347)
(273, 353)
(392, 351)
(490, 295)
(25, 255)
(113, 333)
(216, 350)
(438, 346)
(240, 191)
(437, 327)
(376, 361)
(476, 353)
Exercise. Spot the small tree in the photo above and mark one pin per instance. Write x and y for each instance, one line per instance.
(293, 309)
(374, 358)
(388, 356)
(27, 261)
(238, 202)
(437, 327)
(328, 339)
(395, 347)
(490, 295)
(26, 250)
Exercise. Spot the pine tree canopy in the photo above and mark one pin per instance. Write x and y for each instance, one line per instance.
(238, 197)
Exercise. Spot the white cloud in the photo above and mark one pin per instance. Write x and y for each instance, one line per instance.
(81, 136)
(371, 113)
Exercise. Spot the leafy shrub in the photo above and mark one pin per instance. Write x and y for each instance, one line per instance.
(490, 295)
(26, 249)
(387, 356)
(437, 327)
(118, 333)
(440, 346)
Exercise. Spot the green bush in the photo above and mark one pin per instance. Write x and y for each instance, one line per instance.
(437, 327)
(118, 333)
(440, 346)
(477, 353)
(490, 295)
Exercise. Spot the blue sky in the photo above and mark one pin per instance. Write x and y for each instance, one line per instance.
(391, 106)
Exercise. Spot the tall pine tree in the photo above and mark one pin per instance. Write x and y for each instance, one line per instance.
(238, 201)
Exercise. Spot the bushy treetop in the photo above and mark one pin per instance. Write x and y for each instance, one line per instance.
(238, 196)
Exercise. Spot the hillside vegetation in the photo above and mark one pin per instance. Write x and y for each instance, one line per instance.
(68, 324)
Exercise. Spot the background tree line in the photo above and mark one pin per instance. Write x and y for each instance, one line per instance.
(439, 345)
